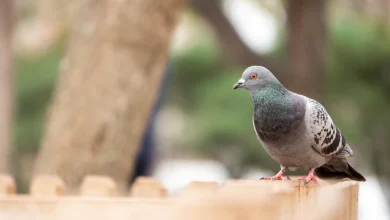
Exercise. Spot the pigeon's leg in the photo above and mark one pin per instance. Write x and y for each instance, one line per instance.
(309, 177)
(278, 176)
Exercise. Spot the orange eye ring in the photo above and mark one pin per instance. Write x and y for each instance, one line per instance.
(254, 76)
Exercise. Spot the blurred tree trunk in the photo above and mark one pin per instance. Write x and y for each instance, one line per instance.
(6, 82)
(107, 85)
(306, 24)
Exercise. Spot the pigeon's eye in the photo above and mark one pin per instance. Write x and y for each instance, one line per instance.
(254, 76)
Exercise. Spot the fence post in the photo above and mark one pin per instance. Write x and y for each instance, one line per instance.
(47, 185)
(146, 187)
(7, 185)
(94, 185)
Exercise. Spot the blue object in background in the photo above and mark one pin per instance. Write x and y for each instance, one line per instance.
(147, 149)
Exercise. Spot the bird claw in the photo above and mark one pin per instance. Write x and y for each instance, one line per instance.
(307, 181)
(278, 176)
(275, 178)
(271, 178)
(309, 177)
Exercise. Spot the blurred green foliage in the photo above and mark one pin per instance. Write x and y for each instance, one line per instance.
(220, 118)
(35, 78)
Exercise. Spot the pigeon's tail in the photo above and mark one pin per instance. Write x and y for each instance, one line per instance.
(327, 172)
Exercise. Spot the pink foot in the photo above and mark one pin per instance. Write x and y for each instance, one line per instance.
(278, 176)
(309, 177)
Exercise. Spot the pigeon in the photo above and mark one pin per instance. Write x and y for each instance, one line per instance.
(296, 131)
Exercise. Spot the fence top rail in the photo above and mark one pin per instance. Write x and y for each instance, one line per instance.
(103, 186)
(147, 199)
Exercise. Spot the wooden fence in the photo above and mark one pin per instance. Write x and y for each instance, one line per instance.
(147, 199)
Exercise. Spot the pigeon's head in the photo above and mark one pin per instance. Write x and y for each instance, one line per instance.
(255, 77)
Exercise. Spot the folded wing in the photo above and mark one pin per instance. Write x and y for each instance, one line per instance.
(326, 137)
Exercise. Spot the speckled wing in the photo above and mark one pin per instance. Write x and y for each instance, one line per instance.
(326, 137)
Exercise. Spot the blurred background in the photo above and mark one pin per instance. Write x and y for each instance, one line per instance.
(336, 51)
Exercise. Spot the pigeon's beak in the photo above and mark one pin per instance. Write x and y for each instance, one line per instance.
(239, 84)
